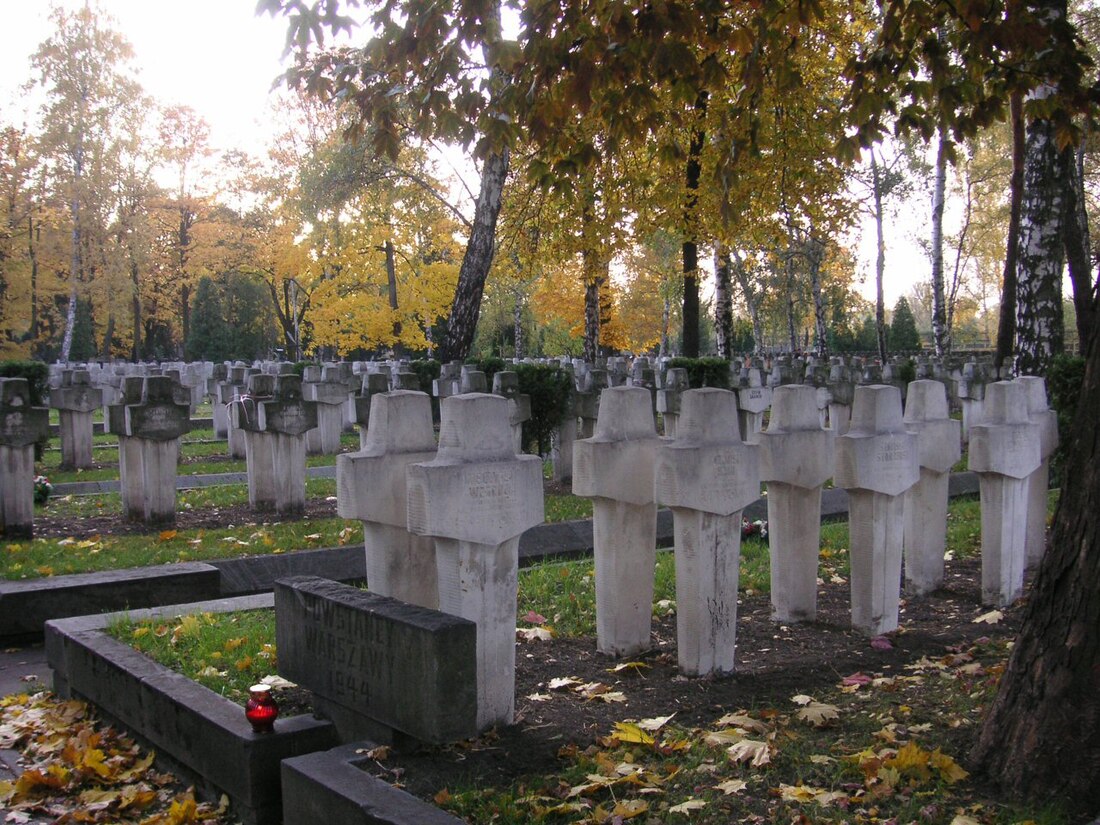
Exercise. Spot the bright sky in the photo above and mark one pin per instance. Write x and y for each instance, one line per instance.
(215, 56)
(219, 58)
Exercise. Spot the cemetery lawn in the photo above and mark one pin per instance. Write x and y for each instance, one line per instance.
(819, 724)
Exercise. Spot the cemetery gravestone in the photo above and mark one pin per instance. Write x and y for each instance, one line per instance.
(21, 426)
(154, 427)
(615, 469)
(1004, 452)
(877, 462)
(379, 668)
(1039, 483)
(707, 476)
(373, 383)
(939, 446)
(370, 487)
(476, 498)
(796, 459)
(75, 400)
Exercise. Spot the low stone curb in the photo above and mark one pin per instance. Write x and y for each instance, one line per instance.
(195, 732)
(331, 787)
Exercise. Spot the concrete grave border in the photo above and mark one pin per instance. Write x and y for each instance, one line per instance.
(328, 787)
(194, 730)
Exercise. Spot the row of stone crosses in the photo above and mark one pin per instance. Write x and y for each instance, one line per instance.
(442, 521)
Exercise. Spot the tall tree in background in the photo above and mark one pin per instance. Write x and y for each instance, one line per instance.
(82, 70)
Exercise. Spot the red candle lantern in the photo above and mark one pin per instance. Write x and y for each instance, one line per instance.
(260, 709)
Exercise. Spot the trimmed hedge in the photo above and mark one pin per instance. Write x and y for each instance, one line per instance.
(550, 389)
(36, 373)
(704, 372)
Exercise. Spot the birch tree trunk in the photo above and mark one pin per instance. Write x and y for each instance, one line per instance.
(476, 261)
(815, 255)
(1040, 332)
(1006, 321)
(880, 257)
(939, 307)
(723, 303)
(1078, 248)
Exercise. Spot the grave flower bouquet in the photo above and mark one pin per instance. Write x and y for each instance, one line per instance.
(42, 489)
(757, 528)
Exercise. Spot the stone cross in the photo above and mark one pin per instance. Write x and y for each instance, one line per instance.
(972, 388)
(449, 381)
(877, 462)
(370, 487)
(21, 426)
(754, 398)
(1005, 450)
(506, 384)
(476, 498)
(796, 459)
(473, 380)
(615, 468)
(284, 417)
(219, 412)
(1039, 482)
(330, 392)
(76, 400)
(152, 428)
(228, 392)
(707, 475)
(668, 398)
(588, 402)
(939, 446)
(841, 392)
(373, 383)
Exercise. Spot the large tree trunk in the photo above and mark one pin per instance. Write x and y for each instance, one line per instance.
(391, 283)
(723, 302)
(1041, 738)
(462, 323)
(1078, 246)
(690, 316)
(1006, 322)
(1040, 331)
(939, 304)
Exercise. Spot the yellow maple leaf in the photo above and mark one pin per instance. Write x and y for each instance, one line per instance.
(949, 770)
(630, 808)
(167, 535)
(912, 761)
(629, 732)
(95, 760)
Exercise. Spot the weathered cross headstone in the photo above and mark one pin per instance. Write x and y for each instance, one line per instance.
(153, 427)
(669, 396)
(754, 398)
(506, 384)
(939, 446)
(615, 469)
(75, 400)
(796, 459)
(281, 421)
(373, 383)
(21, 426)
(877, 462)
(1004, 452)
(707, 476)
(370, 487)
(476, 498)
(1039, 483)
(219, 412)
(325, 387)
